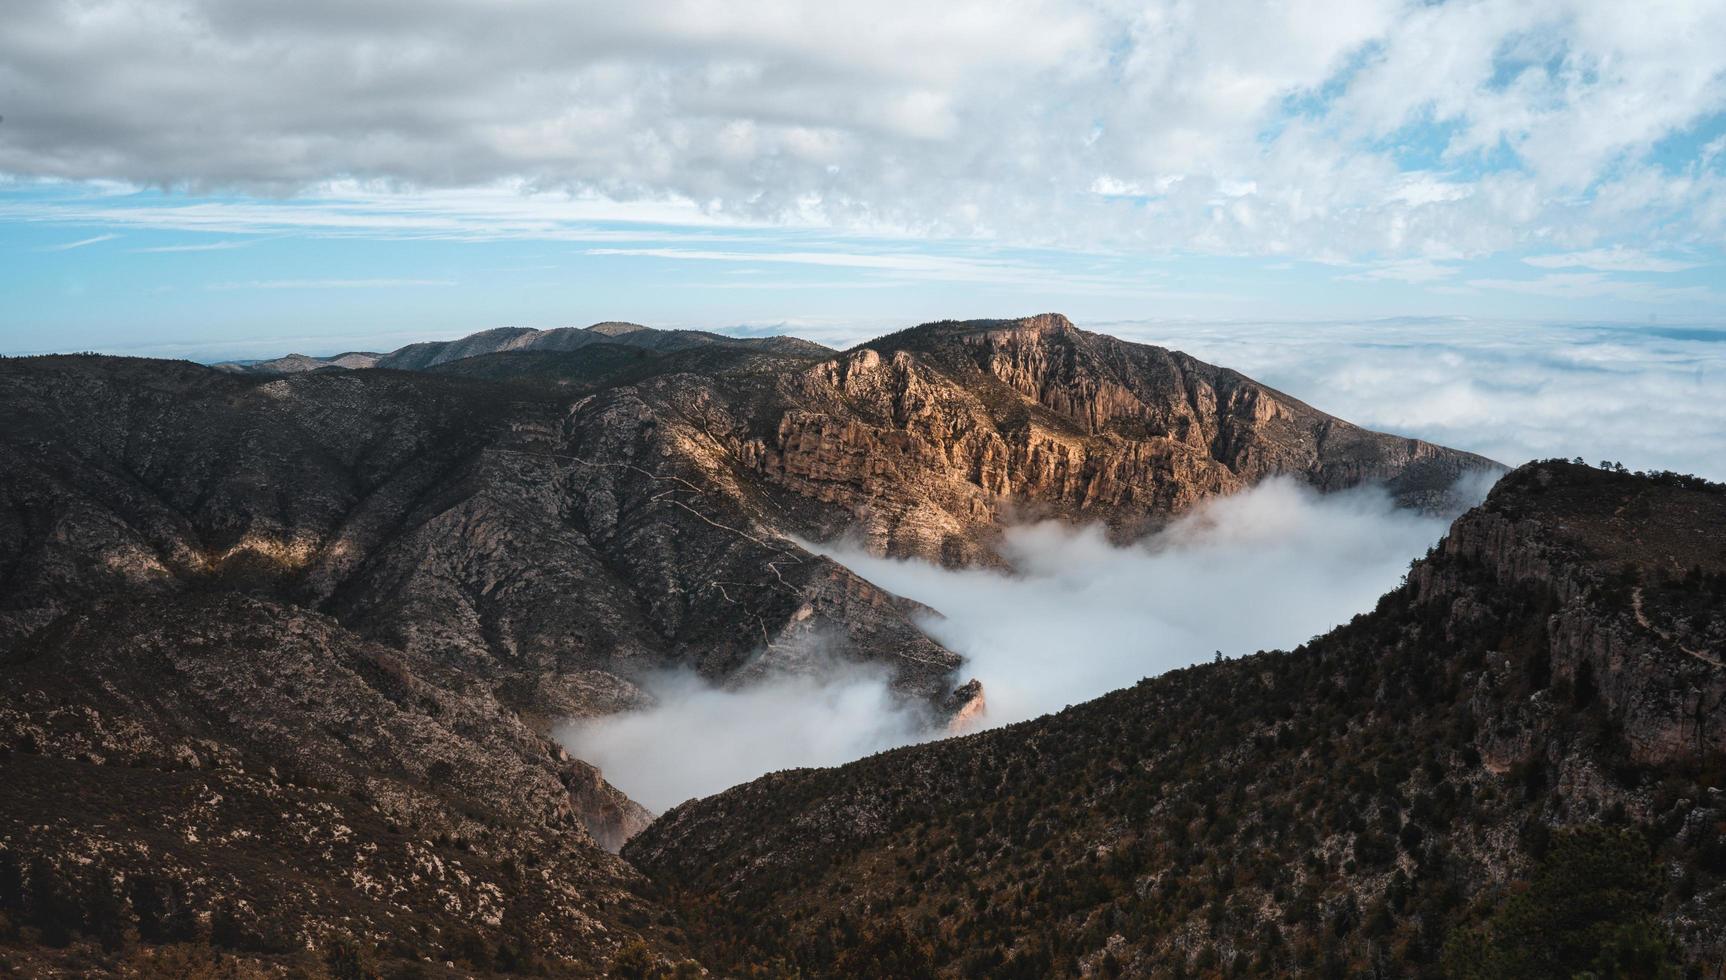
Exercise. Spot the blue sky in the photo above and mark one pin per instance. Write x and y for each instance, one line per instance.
(242, 179)
(172, 274)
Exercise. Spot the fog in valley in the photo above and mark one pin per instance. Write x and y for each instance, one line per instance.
(1076, 617)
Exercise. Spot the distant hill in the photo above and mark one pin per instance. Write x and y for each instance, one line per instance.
(300, 363)
(421, 356)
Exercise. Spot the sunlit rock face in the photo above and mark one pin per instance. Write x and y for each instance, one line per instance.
(933, 438)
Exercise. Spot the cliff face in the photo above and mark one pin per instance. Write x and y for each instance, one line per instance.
(1625, 628)
(1350, 806)
(522, 535)
(933, 438)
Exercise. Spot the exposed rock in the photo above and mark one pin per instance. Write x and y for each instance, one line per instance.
(931, 439)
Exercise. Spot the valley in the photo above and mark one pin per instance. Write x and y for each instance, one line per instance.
(290, 658)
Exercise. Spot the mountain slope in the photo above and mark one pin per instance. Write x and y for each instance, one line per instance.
(239, 610)
(555, 548)
(1346, 807)
(232, 771)
(298, 363)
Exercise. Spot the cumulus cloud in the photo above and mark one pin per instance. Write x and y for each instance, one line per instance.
(1377, 128)
(1076, 617)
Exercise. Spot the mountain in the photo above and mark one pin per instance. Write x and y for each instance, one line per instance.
(929, 439)
(431, 354)
(417, 357)
(560, 522)
(226, 769)
(1513, 766)
(279, 653)
(300, 363)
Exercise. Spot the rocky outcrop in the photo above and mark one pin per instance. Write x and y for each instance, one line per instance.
(528, 540)
(1607, 549)
(930, 440)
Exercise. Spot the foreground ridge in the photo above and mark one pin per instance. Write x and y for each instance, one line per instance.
(1527, 706)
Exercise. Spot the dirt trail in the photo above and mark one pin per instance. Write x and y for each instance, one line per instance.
(1642, 620)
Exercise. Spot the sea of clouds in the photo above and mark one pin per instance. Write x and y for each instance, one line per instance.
(1077, 616)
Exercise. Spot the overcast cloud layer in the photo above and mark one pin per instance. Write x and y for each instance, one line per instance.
(1079, 617)
(1370, 127)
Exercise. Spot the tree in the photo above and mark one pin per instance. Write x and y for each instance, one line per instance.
(633, 962)
(888, 950)
(1589, 910)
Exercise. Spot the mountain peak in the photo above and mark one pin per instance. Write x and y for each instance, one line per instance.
(616, 328)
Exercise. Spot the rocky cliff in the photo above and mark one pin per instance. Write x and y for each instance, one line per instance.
(927, 441)
(539, 515)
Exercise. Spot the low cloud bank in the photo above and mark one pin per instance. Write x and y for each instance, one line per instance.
(697, 739)
(1646, 395)
(1265, 569)
(1078, 617)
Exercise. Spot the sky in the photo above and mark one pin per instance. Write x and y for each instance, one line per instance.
(242, 178)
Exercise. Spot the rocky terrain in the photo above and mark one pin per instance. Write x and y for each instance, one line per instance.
(279, 649)
(559, 519)
(1513, 766)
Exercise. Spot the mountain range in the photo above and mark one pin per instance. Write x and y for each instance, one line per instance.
(281, 646)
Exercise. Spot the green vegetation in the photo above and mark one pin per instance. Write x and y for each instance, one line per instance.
(1588, 912)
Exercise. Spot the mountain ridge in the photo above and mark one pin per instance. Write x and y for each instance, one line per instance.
(1358, 800)
(319, 585)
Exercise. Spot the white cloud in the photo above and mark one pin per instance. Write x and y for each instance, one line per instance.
(1404, 270)
(80, 243)
(1614, 259)
(697, 739)
(1588, 285)
(1079, 616)
(1379, 128)
(1647, 394)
